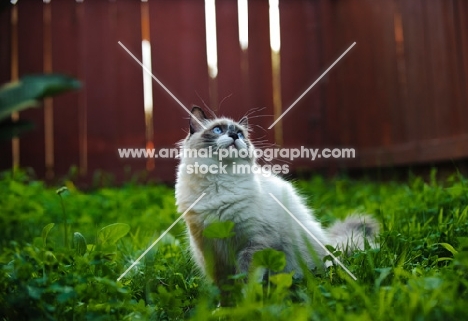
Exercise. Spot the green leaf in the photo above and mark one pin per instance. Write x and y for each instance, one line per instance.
(449, 248)
(219, 230)
(282, 280)
(34, 292)
(112, 233)
(30, 89)
(79, 243)
(462, 242)
(271, 259)
(49, 258)
(17, 188)
(45, 232)
(67, 293)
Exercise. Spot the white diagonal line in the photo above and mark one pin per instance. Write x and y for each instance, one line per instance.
(160, 83)
(159, 238)
(310, 87)
(315, 239)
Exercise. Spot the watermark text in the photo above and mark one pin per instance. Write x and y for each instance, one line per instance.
(267, 154)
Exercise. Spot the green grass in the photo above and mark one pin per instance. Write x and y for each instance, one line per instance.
(420, 271)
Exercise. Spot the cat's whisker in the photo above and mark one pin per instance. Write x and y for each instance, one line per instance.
(222, 101)
(264, 143)
(258, 126)
(260, 116)
(252, 111)
(206, 106)
(263, 147)
(259, 140)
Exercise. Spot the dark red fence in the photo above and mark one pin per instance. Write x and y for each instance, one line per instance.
(398, 97)
(401, 97)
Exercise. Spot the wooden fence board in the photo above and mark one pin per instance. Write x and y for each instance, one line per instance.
(5, 48)
(99, 78)
(395, 71)
(419, 112)
(179, 62)
(30, 57)
(385, 100)
(331, 126)
(260, 74)
(130, 118)
(365, 98)
(342, 35)
(301, 65)
(461, 9)
(5, 76)
(439, 76)
(457, 34)
(454, 101)
(65, 60)
(229, 80)
(463, 39)
(113, 86)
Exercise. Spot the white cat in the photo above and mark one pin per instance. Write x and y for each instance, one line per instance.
(244, 198)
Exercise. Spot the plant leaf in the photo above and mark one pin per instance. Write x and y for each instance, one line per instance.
(110, 234)
(271, 259)
(79, 243)
(45, 232)
(449, 248)
(282, 280)
(219, 230)
(27, 92)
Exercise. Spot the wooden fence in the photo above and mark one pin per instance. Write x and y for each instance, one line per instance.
(398, 97)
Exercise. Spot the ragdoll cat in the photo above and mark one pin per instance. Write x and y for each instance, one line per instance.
(244, 198)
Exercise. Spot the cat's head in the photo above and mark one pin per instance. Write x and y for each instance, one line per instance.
(221, 135)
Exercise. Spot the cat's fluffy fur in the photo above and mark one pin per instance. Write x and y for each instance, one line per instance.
(244, 199)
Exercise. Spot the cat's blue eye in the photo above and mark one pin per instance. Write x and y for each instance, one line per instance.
(240, 135)
(217, 130)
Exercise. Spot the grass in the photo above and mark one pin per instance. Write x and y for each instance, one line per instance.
(68, 272)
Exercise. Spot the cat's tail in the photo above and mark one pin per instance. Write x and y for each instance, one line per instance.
(352, 233)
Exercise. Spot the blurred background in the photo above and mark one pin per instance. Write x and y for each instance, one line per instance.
(399, 97)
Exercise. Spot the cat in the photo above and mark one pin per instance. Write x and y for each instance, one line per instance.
(244, 198)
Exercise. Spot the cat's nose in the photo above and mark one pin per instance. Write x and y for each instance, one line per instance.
(233, 136)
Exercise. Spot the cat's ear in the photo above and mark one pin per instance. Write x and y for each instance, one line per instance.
(195, 125)
(244, 121)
